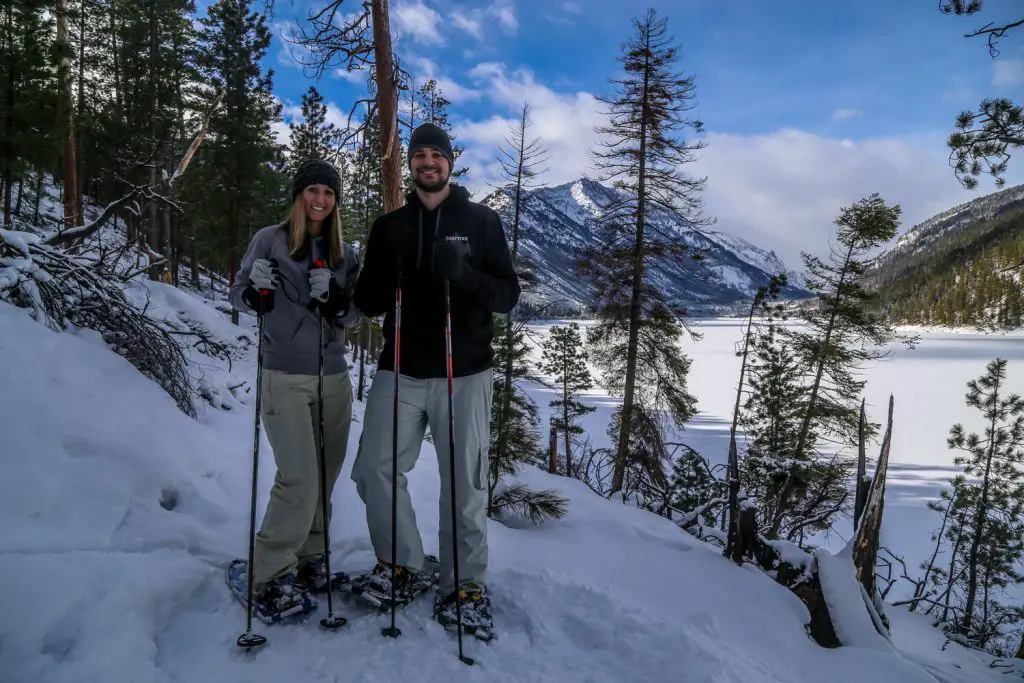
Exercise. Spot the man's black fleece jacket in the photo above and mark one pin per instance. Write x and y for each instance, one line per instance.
(405, 240)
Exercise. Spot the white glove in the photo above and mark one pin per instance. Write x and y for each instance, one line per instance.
(263, 276)
(320, 283)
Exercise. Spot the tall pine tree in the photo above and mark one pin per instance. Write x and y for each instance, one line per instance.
(993, 492)
(636, 338)
(843, 332)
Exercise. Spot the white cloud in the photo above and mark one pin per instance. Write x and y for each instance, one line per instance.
(473, 21)
(780, 190)
(845, 114)
(290, 54)
(463, 22)
(423, 69)
(417, 21)
(1008, 72)
(506, 15)
(355, 76)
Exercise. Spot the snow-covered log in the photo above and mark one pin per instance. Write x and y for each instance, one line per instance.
(851, 610)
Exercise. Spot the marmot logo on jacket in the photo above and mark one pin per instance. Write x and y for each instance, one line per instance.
(456, 238)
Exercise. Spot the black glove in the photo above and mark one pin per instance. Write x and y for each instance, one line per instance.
(255, 300)
(450, 259)
(337, 301)
(331, 300)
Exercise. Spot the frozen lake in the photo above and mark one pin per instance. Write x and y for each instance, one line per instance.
(928, 384)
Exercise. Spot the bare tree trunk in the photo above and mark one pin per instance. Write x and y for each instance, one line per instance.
(80, 175)
(153, 234)
(117, 63)
(387, 105)
(66, 119)
(40, 176)
(979, 525)
(506, 390)
(233, 246)
(193, 260)
(733, 547)
(9, 119)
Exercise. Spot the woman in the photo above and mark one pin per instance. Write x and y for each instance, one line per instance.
(282, 262)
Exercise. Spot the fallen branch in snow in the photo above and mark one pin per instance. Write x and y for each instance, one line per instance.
(62, 290)
(137, 192)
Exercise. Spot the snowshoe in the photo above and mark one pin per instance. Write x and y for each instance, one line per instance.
(281, 601)
(312, 576)
(476, 611)
(374, 586)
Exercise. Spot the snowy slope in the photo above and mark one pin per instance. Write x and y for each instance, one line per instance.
(118, 514)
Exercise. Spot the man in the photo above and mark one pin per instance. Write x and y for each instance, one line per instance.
(438, 235)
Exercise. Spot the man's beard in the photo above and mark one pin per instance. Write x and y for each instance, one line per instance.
(435, 186)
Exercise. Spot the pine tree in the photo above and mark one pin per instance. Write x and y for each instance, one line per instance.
(992, 534)
(521, 431)
(566, 360)
(985, 138)
(771, 418)
(233, 41)
(28, 96)
(636, 338)
(314, 137)
(843, 333)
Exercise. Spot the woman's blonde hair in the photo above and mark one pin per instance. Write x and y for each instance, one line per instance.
(298, 238)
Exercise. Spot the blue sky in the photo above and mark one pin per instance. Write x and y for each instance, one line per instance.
(809, 105)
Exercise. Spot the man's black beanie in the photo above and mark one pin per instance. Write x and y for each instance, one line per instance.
(432, 135)
(316, 171)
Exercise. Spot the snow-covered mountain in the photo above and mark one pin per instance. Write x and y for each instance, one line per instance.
(925, 235)
(556, 226)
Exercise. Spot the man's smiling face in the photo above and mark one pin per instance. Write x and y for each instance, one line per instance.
(430, 169)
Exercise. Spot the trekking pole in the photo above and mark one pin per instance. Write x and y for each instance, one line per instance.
(330, 621)
(451, 466)
(393, 631)
(250, 639)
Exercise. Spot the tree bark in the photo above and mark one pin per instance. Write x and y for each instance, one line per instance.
(80, 173)
(66, 120)
(153, 234)
(387, 106)
(5, 183)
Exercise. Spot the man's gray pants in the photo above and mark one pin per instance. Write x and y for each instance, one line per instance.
(422, 403)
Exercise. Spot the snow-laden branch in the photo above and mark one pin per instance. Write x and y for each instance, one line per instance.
(62, 289)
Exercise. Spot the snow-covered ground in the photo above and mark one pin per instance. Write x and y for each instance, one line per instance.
(118, 515)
